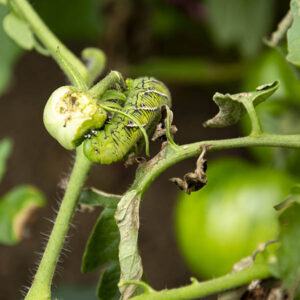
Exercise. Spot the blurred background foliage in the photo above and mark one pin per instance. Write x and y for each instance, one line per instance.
(196, 47)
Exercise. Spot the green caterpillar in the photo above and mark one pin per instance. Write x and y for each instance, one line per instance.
(144, 99)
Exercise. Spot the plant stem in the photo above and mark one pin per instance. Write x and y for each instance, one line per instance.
(171, 156)
(96, 60)
(41, 287)
(255, 123)
(50, 41)
(206, 288)
(108, 81)
(127, 214)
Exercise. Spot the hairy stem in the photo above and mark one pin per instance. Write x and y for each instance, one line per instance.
(201, 289)
(41, 287)
(50, 41)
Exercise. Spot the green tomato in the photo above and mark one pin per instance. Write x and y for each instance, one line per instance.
(227, 220)
(69, 114)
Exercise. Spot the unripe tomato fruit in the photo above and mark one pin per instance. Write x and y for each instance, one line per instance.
(226, 220)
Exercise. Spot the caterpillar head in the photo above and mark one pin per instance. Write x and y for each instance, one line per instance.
(69, 114)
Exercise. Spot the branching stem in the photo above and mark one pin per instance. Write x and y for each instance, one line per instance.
(169, 157)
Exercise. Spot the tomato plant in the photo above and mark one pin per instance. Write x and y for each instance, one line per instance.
(109, 118)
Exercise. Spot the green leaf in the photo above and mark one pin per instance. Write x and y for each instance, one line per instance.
(108, 284)
(232, 107)
(5, 149)
(293, 35)
(19, 31)
(240, 23)
(16, 208)
(9, 52)
(4, 2)
(287, 266)
(95, 197)
(127, 216)
(102, 245)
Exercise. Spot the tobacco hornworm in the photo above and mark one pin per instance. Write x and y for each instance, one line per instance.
(144, 99)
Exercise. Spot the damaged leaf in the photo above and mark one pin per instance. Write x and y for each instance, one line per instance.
(287, 265)
(16, 211)
(162, 127)
(194, 181)
(232, 107)
(127, 217)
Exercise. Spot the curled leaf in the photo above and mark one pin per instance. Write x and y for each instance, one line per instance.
(161, 128)
(127, 217)
(194, 181)
(233, 106)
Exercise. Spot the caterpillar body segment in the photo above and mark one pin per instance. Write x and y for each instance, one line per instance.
(144, 99)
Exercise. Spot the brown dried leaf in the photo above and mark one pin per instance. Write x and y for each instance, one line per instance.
(161, 128)
(194, 181)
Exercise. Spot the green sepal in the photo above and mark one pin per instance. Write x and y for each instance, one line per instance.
(232, 106)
